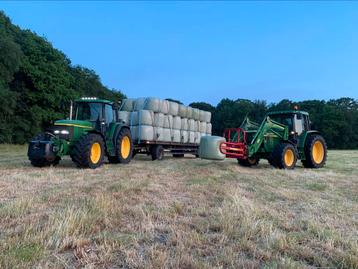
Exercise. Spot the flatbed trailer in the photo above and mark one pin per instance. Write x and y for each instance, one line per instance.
(157, 149)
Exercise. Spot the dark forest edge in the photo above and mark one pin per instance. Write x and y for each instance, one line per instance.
(37, 83)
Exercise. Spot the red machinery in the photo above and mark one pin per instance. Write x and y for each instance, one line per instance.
(235, 147)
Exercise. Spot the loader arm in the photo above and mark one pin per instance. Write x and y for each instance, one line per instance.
(267, 127)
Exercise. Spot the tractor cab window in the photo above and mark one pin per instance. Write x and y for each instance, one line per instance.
(109, 113)
(299, 124)
(88, 111)
(285, 119)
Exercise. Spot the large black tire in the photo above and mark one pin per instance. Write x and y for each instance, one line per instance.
(88, 152)
(43, 162)
(124, 148)
(315, 152)
(157, 152)
(249, 161)
(284, 156)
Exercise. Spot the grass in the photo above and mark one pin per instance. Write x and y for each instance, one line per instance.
(178, 213)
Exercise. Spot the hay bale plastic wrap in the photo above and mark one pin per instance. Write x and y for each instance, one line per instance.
(184, 136)
(191, 137)
(196, 114)
(177, 122)
(182, 111)
(189, 112)
(208, 128)
(176, 136)
(197, 137)
(153, 104)
(159, 119)
(167, 135)
(168, 121)
(202, 126)
(210, 148)
(158, 133)
(191, 124)
(164, 106)
(139, 103)
(142, 117)
(173, 108)
(184, 124)
(207, 118)
(124, 116)
(127, 104)
(202, 115)
(142, 132)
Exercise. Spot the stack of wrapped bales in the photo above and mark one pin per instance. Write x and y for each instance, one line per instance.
(153, 119)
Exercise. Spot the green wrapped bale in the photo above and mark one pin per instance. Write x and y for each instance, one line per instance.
(210, 148)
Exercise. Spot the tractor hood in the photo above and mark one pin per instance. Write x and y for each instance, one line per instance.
(75, 123)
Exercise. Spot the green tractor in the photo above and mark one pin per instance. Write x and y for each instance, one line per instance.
(282, 138)
(92, 132)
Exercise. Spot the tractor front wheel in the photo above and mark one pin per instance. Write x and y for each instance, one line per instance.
(284, 156)
(124, 148)
(252, 161)
(88, 152)
(315, 152)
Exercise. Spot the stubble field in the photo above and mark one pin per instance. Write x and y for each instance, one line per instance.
(178, 213)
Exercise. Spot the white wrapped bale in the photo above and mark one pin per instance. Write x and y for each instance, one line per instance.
(208, 128)
(164, 106)
(210, 148)
(196, 114)
(191, 124)
(207, 117)
(184, 136)
(159, 119)
(189, 113)
(168, 121)
(158, 134)
(202, 126)
(142, 117)
(191, 137)
(203, 134)
(173, 108)
(153, 104)
(182, 111)
(184, 124)
(197, 137)
(176, 122)
(124, 116)
(202, 115)
(127, 104)
(142, 132)
(139, 103)
(167, 135)
(197, 126)
(176, 136)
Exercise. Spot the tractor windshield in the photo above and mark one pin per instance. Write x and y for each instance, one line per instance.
(285, 119)
(88, 111)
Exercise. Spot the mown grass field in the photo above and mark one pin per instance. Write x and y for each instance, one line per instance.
(178, 213)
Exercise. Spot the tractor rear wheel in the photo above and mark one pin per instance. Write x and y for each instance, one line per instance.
(252, 161)
(157, 152)
(88, 152)
(124, 148)
(284, 156)
(315, 152)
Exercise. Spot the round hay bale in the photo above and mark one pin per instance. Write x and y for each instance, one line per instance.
(164, 106)
(191, 124)
(168, 121)
(191, 137)
(152, 103)
(176, 122)
(182, 111)
(184, 136)
(196, 114)
(208, 128)
(176, 136)
(127, 104)
(184, 124)
(167, 135)
(159, 119)
(142, 117)
(142, 132)
(202, 126)
(210, 148)
(173, 108)
(189, 113)
(124, 116)
(158, 134)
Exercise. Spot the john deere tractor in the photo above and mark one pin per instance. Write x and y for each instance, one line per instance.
(92, 132)
(282, 138)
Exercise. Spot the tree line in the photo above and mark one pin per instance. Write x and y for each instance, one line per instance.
(37, 82)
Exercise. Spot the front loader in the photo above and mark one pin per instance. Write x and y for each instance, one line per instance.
(282, 138)
(92, 132)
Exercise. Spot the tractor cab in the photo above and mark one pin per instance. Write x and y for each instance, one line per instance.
(297, 121)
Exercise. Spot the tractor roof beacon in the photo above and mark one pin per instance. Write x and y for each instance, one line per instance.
(92, 132)
(282, 138)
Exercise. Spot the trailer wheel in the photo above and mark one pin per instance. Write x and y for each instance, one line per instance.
(249, 161)
(315, 152)
(157, 152)
(124, 148)
(284, 156)
(88, 152)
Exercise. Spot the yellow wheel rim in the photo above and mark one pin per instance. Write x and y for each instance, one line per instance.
(289, 157)
(95, 152)
(125, 147)
(318, 152)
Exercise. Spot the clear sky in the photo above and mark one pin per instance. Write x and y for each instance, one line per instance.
(205, 51)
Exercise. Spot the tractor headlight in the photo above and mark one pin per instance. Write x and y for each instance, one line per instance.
(56, 131)
(65, 132)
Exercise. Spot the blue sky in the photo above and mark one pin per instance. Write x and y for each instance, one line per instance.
(205, 51)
